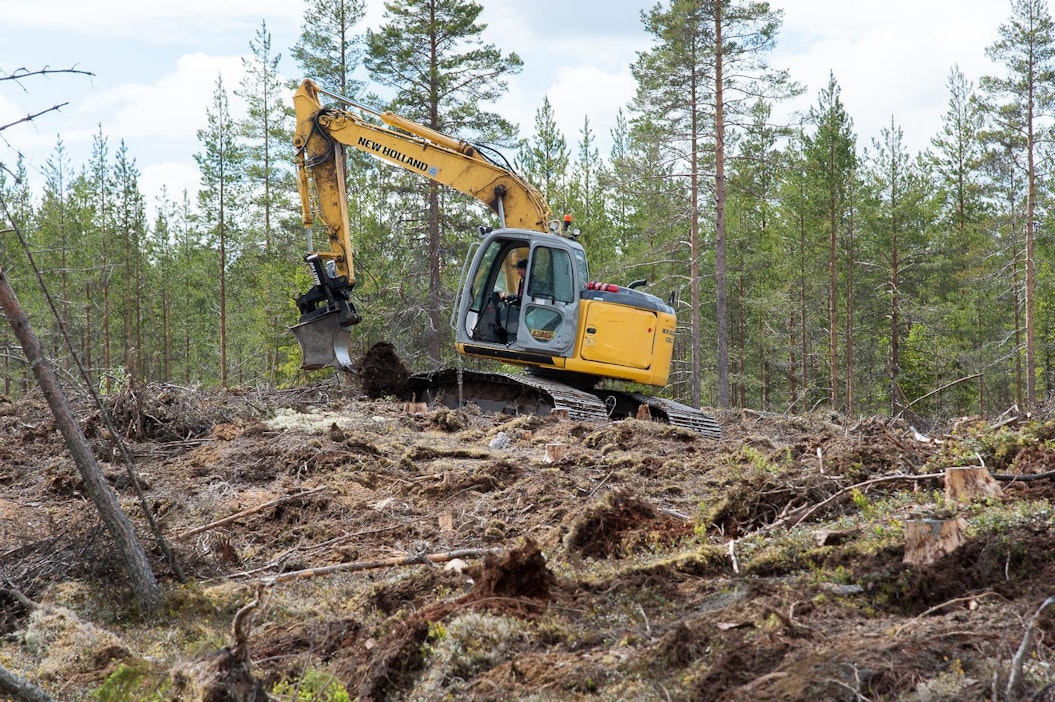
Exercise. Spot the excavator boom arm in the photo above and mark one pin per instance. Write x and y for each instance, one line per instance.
(405, 144)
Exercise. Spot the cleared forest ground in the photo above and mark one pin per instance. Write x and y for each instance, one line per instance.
(646, 564)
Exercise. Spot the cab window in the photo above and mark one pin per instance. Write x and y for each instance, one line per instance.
(551, 275)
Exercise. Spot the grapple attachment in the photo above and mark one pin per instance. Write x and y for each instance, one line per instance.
(324, 341)
(327, 316)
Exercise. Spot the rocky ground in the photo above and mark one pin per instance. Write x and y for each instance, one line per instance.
(646, 563)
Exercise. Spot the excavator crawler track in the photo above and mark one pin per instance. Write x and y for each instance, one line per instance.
(527, 394)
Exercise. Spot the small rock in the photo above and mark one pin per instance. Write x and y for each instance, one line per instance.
(501, 441)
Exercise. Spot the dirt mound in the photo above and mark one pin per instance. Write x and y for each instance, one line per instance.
(382, 373)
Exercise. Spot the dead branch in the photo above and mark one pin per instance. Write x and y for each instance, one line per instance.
(802, 513)
(247, 512)
(20, 73)
(1014, 680)
(242, 626)
(21, 689)
(937, 608)
(371, 565)
(937, 390)
(30, 118)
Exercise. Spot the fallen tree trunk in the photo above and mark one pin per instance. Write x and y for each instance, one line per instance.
(21, 690)
(144, 584)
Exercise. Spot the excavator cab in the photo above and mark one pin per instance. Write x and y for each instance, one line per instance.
(533, 323)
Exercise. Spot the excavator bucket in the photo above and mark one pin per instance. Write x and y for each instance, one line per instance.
(327, 316)
(324, 341)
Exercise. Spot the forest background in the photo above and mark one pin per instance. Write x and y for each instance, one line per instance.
(809, 270)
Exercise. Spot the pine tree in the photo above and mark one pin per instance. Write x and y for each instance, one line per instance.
(273, 226)
(130, 214)
(832, 161)
(898, 218)
(963, 275)
(1019, 102)
(430, 53)
(759, 304)
(328, 50)
(267, 131)
(55, 234)
(16, 211)
(102, 236)
(587, 198)
(707, 68)
(222, 163)
(544, 158)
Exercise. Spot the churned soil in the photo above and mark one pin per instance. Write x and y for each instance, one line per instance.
(443, 554)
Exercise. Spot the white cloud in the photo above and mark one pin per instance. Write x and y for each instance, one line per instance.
(154, 21)
(586, 91)
(890, 60)
(172, 178)
(171, 109)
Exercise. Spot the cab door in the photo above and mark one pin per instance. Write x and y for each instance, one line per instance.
(550, 304)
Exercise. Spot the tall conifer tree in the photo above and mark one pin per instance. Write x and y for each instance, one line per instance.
(831, 161)
(707, 67)
(544, 158)
(1021, 102)
(431, 54)
(329, 50)
(221, 162)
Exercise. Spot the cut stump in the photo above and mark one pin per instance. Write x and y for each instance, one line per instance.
(927, 540)
(555, 452)
(970, 483)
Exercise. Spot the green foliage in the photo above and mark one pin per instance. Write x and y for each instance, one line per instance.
(750, 456)
(312, 686)
(134, 682)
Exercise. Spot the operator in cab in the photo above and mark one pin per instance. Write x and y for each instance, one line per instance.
(514, 298)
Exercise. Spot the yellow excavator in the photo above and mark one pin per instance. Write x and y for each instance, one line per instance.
(526, 297)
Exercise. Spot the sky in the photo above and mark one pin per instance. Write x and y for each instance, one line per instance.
(156, 64)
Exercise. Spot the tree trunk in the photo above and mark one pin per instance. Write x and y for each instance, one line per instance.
(848, 370)
(719, 224)
(117, 523)
(435, 314)
(21, 690)
(1031, 275)
(223, 288)
(833, 301)
(695, 336)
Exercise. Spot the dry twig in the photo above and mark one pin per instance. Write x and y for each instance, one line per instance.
(1014, 680)
(369, 565)
(246, 512)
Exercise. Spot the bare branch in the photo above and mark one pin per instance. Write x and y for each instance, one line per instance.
(20, 73)
(30, 118)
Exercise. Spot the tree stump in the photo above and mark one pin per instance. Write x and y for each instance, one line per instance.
(968, 483)
(927, 540)
(418, 409)
(555, 452)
